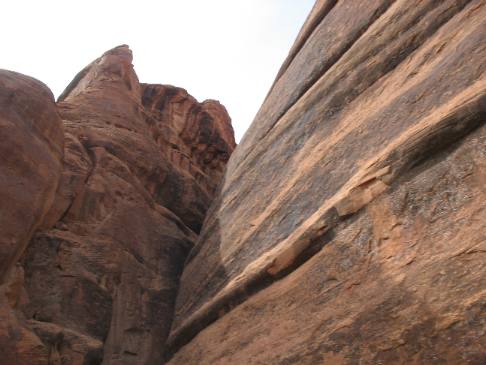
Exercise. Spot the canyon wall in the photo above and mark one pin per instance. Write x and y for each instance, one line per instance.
(346, 228)
(350, 223)
(103, 195)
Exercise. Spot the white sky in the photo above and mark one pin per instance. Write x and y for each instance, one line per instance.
(229, 50)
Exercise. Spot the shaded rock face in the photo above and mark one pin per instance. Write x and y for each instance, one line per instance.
(30, 153)
(116, 214)
(348, 227)
(350, 224)
(31, 148)
(198, 142)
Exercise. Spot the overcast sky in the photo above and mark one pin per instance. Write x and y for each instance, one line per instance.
(229, 50)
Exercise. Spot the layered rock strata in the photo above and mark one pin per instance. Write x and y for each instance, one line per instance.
(347, 228)
(350, 224)
(116, 213)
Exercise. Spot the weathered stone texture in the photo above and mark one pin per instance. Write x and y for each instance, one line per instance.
(30, 167)
(347, 227)
(98, 281)
(400, 282)
(198, 139)
(367, 145)
(30, 156)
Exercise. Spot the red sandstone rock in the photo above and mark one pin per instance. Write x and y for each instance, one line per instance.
(198, 139)
(30, 159)
(100, 284)
(31, 146)
(349, 228)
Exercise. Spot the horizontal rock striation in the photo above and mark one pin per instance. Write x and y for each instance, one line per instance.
(116, 214)
(198, 140)
(348, 226)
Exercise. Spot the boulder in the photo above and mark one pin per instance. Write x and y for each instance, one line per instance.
(31, 152)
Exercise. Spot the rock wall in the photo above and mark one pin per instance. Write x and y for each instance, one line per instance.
(346, 228)
(31, 136)
(116, 214)
(350, 223)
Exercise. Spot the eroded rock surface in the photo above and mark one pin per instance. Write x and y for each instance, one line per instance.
(31, 149)
(118, 216)
(198, 140)
(30, 156)
(349, 228)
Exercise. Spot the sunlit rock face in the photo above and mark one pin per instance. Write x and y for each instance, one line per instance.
(114, 180)
(349, 227)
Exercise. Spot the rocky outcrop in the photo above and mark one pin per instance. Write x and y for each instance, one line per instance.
(30, 166)
(115, 217)
(349, 226)
(198, 140)
(30, 156)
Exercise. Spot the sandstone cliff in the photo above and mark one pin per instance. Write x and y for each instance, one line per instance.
(347, 227)
(350, 224)
(115, 180)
